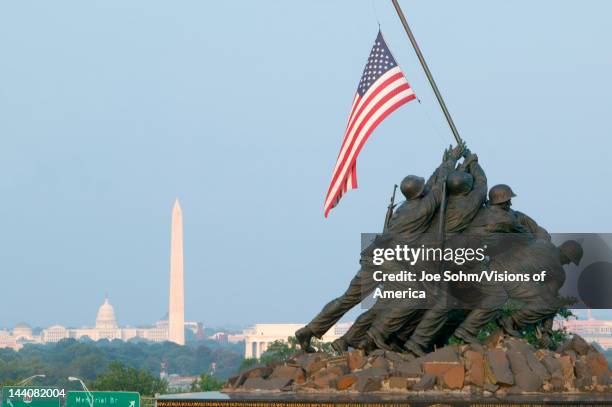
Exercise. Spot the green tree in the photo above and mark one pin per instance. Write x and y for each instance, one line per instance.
(247, 363)
(87, 360)
(207, 382)
(278, 351)
(119, 377)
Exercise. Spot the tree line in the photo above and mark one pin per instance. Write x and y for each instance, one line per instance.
(109, 361)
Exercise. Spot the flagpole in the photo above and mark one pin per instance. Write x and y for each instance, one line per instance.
(449, 119)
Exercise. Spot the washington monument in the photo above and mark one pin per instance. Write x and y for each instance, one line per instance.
(176, 310)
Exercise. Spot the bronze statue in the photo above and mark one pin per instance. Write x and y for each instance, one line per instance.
(450, 210)
(467, 189)
(499, 227)
(569, 252)
(410, 219)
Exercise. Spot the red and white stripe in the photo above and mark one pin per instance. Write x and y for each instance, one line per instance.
(387, 94)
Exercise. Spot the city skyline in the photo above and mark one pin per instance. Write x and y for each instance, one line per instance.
(170, 328)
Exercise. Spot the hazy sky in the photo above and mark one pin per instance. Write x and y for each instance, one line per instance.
(111, 109)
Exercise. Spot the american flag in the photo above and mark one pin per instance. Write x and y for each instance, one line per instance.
(382, 89)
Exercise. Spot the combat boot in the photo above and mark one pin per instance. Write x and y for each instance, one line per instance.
(377, 338)
(414, 348)
(304, 336)
(339, 345)
(466, 337)
(507, 325)
(367, 345)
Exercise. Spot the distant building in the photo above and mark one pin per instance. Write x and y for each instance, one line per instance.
(196, 328)
(8, 341)
(591, 329)
(22, 331)
(106, 327)
(235, 338)
(54, 333)
(260, 336)
(176, 382)
(224, 337)
(219, 337)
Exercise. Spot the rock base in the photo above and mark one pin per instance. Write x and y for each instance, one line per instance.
(502, 367)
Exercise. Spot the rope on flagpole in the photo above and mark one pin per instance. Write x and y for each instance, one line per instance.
(375, 13)
(431, 123)
(435, 129)
(428, 73)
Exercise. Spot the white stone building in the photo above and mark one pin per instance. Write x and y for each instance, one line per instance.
(591, 329)
(7, 340)
(106, 327)
(260, 336)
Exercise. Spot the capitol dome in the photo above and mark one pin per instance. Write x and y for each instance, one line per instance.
(22, 331)
(105, 318)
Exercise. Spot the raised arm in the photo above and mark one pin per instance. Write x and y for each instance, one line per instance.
(480, 188)
(449, 161)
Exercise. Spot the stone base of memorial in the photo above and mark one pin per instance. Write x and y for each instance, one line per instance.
(503, 369)
(378, 399)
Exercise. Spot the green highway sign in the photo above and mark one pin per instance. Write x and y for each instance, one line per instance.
(13, 396)
(102, 399)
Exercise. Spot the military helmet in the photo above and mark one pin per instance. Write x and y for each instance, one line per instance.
(572, 250)
(459, 183)
(412, 186)
(500, 193)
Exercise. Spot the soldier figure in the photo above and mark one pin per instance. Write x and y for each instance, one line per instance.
(467, 190)
(569, 252)
(490, 227)
(411, 218)
(514, 242)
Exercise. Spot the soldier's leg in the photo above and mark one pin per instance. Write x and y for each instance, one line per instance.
(538, 304)
(401, 336)
(513, 323)
(425, 332)
(391, 319)
(395, 314)
(475, 321)
(530, 316)
(361, 285)
(491, 299)
(357, 331)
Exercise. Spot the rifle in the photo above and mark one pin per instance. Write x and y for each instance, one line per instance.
(390, 210)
